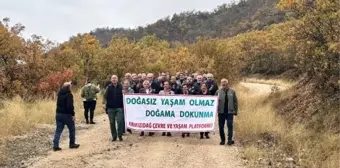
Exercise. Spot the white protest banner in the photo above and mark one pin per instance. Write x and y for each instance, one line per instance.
(171, 113)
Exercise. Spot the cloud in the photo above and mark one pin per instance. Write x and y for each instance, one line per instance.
(60, 19)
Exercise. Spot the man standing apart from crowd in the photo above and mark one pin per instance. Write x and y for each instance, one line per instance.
(89, 95)
(113, 103)
(227, 108)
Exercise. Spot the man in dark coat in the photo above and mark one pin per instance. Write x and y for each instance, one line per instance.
(113, 103)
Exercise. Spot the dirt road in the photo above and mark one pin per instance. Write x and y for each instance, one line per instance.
(258, 88)
(97, 150)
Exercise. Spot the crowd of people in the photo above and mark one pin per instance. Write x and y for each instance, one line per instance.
(164, 84)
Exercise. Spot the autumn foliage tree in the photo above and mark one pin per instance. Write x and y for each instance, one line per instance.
(307, 43)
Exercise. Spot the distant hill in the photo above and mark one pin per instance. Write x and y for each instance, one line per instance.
(225, 21)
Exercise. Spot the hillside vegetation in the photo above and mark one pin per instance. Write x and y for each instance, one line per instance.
(225, 21)
(307, 44)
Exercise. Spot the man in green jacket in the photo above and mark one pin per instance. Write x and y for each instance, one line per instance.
(227, 108)
(89, 95)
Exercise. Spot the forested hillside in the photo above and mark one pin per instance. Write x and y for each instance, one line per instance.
(225, 21)
(306, 43)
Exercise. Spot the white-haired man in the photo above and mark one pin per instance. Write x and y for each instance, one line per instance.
(211, 84)
(227, 108)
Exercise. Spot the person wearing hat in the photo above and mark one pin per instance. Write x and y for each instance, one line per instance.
(65, 116)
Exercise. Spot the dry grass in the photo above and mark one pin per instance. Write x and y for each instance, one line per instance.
(18, 117)
(308, 148)
(280, 82)
(253, 153)
(254, 119)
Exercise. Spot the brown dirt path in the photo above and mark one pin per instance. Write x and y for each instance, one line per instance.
(97, 150)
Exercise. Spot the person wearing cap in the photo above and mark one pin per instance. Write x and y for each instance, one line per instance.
(227, 109)
(65, 116)
(89, 95)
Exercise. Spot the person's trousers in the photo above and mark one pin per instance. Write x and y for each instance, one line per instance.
(124, 122)
(89, 106)
(204, 133)
(116, 114)
(61, 121)
(221, 123)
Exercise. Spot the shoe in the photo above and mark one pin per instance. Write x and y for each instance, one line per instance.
(188, 135)
(207, 136)
(163, 134)
(56, 149)
(87, 122)
(92, 122)
(74, 146)
(129, 131)
(231, 142)
(114, 139)
(183, 135)
(120, 138)
(142, 134)
(151, 133)
(201, 137)
(168, 134)
(222, 143)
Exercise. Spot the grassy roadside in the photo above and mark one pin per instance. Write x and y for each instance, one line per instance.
(269, 141)
(18, 117)
(279, 82)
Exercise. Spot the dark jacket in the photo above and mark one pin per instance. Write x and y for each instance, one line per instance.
(175, 87)
(191, 88)
(136, 86)
(65, 102)
(201, 93)
(157, 86)
(212, 86)
(197, 88)
(113, 96)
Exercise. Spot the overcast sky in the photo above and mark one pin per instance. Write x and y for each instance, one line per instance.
(57, 20)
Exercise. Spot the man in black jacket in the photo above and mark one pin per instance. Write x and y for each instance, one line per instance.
(113, 103)
(65, 116)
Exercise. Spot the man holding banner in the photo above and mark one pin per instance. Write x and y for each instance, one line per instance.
(146, 90)
(227, 108)
(166, 91)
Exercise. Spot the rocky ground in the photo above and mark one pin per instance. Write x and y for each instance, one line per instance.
(21, 151)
